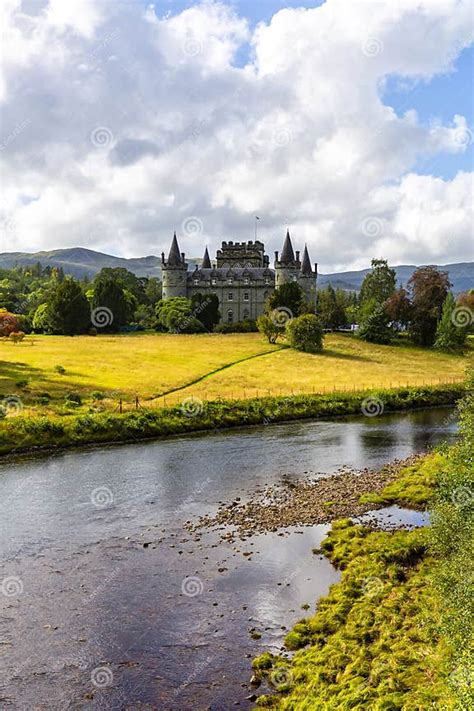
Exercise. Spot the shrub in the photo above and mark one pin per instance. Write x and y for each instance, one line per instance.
(21, 384)
(59, 369)
(97, 395)
(247, 326)
(73, 399)
(269, 328)
(305, 333)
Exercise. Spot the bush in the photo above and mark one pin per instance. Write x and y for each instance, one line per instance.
(73, 399)
(97, 395)
(305, 333)
(59, 369)
(247, 326)
(269, 327)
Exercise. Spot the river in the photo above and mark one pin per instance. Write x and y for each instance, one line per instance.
(108, 603)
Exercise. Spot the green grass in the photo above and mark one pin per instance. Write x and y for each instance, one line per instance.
(206, 366)
(413, 488)
(26, 432)
(396, 633)
(372, 643)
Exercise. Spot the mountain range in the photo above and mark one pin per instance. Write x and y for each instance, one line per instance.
(81, 262)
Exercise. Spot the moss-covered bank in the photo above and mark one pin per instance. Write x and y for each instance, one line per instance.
(21, 433)
(396, 632)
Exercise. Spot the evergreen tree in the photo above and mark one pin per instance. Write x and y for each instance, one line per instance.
(68, 310)
(331, 308)
(375, 326)
(205, 307)
(108, 294)
(288, 296)
(450, 336)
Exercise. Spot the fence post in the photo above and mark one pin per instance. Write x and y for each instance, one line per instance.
(120, 405)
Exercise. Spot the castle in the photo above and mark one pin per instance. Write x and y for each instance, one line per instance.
(240, 277)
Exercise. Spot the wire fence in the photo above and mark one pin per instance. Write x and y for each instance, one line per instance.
(185, 394)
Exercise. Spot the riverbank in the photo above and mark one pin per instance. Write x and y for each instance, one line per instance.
(313, 501)
(24, 434)
(396, 632)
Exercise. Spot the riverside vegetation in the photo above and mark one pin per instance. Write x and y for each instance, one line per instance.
(21, 434)
(396, 632)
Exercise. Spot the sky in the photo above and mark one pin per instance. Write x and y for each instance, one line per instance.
(349, 121)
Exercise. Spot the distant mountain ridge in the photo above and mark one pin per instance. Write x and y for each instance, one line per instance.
(81, 262)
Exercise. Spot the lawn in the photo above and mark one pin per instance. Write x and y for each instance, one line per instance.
(150, 364)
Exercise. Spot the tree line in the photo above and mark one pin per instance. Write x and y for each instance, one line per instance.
(45, 300)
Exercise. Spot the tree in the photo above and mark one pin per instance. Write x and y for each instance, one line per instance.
(428, 288)
(305, 333)
(375, 326)
(68, 312)
(41, 319)
(288, 296)
(176, 315)
(8, 322)
(464, 312)
(331, 308)
(377, 287)
(110, 296)
(450, 336)
(399, 309)
(205, 307)
(269, 327)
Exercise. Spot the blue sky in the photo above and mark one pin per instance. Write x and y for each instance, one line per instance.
(436, 100)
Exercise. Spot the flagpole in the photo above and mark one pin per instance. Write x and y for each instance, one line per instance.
(256, 221)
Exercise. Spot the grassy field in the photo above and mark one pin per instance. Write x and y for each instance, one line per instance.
(149, 365)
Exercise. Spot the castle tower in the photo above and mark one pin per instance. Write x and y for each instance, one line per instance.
(307, 278)
(174, 272)
(288, 267)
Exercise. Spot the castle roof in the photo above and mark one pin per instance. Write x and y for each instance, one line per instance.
(206, 261)
(287, 254)
(174, 257)
(306, 265)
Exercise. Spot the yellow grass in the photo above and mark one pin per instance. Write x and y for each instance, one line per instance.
(150, 364)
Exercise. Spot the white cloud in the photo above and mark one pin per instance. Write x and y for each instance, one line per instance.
(117, 124)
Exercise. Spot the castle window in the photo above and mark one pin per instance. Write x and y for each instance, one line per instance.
(230, 316)
(295, 278)
(246, 280)
(231, 280)
(196, 282)
(230, 296)
(267, 280)
(246, 314)
(213, 282)
(246, 296)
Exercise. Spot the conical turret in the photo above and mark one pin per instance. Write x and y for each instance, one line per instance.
(174, 257)
(287, 254)
(206, 261)
(306, 264)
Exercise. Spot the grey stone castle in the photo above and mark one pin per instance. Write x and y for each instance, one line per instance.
(240, 277)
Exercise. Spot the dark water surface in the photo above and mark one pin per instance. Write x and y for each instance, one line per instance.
(90, 618)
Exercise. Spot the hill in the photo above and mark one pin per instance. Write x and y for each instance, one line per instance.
(81, 262)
